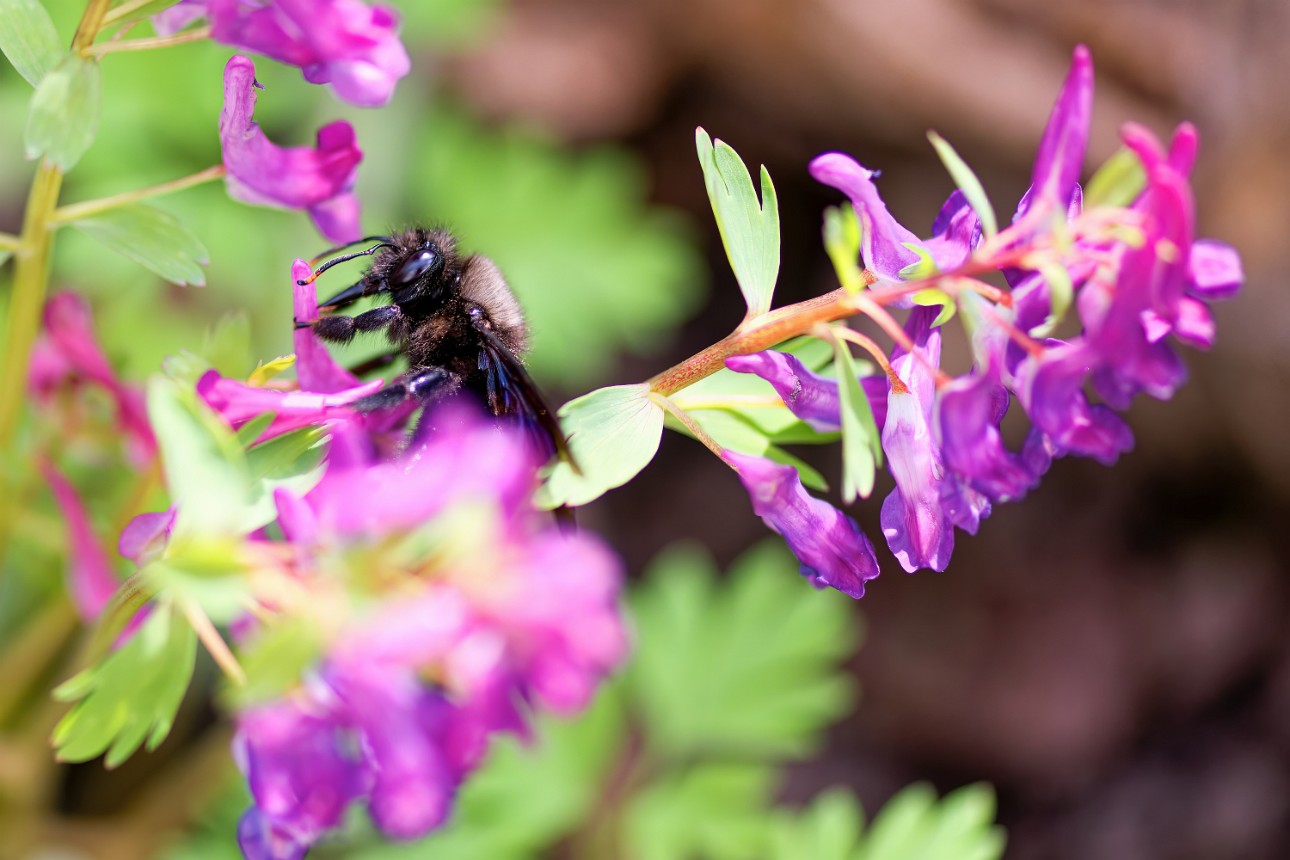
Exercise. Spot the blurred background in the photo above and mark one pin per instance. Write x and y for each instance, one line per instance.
(1112, 653)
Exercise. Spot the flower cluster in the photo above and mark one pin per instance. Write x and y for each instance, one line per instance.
(447, 607)
(1134, 274)
(350, 46)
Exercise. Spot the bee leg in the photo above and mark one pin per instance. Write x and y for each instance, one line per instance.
(341, 329)
(376, 362)
(426, 385)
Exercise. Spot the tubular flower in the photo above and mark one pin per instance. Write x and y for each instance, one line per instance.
(917, 527)
(829, 545)
(347, 44)
(67, 356)
(319, 180)
(466, 611)
(811, 398)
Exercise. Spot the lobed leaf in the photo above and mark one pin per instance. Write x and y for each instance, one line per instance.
(613, 433)
(151, 237)
(748, 670)
(861, 437)
(130, 698)
(828, 829)
(914, 826)
(967, 182)
(713, 811)
(64, 113)
(28, 39)
(749, 227)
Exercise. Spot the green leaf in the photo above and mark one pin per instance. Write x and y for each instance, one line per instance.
(842, 235)
(967, 182)
(1118, 182)
(28, 39)
(210, 572)
(64, 113)
(861, 439)
(829, 829)
(151, 237)
(131, 697)
(613, 433)
(748, 670)
(251, 430)
(913, 826)
(206, 470)
(749, 227)
(714, 811)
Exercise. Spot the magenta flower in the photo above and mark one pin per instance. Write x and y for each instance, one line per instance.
(319, 180)
(916, 525)
(507, 614)
(829, 545)
(1061, 150)
(238, 403)
(67, 355)
(90, 577)
(883, 238)
(811, 398)
(345, 43)
(971, 410)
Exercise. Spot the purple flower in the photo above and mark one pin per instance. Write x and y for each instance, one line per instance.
(1051, 389)
(315, 367)
(971, 410)
(302, 775)
(475, 612)
(883, 238)
(345, 43)
(68, 355)
(811, 398)
(319, 180)
(829, 545)
(238, 403)
(1061, 150)
(90, 577)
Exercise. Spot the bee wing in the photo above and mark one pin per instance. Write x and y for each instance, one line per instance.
(511, 391)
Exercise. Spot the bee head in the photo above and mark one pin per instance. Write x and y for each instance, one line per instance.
(421, 274)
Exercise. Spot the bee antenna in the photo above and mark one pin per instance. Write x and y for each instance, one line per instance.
(339, 248)
(346, 258)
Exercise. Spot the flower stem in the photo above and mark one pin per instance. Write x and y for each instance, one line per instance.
(9, 242)
(148, 44)
(754, 335)
(696, 429)
(123, 10)
(76, 211)
(31, 275)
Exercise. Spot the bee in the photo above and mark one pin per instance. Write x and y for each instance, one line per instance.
(456, 321)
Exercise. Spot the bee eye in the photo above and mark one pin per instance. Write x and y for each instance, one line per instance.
(416, 266)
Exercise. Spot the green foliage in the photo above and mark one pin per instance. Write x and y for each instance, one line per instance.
(711, 810)
(828, 829)
(936, 298)
(749, 227)
(153, 238)
(28, 38)
(1117, 182)
(1061, 292)
(967, 182)
(613, 433)
(595, 269)
(912, 826)
(274, 660)
(64, 113)
(861, 439)
(745, 671)
(132, 696)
